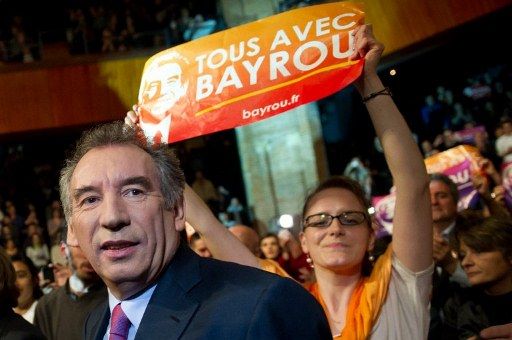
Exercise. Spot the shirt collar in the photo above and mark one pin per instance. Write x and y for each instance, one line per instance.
(448, 230)
(133, 308)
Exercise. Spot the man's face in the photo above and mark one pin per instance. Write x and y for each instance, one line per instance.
(444, 208)
(164, 89)
(119, 217)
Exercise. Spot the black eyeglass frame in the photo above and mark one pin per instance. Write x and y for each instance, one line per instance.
(365, 217)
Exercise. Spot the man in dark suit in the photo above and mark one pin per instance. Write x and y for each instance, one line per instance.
(123, 199)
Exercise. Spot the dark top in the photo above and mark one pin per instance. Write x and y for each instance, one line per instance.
(14, 327)
(471, 310)
(61, 314)
(197, 298)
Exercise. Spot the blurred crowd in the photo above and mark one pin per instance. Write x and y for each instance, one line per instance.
(109, 26)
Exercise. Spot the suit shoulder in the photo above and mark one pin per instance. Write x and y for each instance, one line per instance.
(290, 311)
(234, 271)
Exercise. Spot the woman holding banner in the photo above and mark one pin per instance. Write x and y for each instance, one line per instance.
(389, 301)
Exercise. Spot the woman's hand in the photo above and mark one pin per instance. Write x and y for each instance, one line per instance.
(132, 117)
(368, 48)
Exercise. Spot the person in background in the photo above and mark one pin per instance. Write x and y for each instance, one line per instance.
(270, 249)
(11, 248)
(504, 142)
(71, 303)
(248, 237)
(27, 282)
(448, 274)
(55, 224)
(206, 190)
(32, 215)
(198, 246)
(37, 251)
(12, 325)
(285, 249)
(236, 209)
(483, 246)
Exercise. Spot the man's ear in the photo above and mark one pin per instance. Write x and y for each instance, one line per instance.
(71, 237)
(179, 215)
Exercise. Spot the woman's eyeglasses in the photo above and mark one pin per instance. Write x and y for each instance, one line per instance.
(347, 218)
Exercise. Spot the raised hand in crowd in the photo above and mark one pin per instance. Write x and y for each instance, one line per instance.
(488, 184)
(442, 251)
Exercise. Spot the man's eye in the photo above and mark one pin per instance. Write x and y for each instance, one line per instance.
(134, 194)
(89, 200)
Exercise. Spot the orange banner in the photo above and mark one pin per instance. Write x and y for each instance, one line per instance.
(453, 157)
(249, 73)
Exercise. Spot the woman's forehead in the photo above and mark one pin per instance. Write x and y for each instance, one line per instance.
(334, 199)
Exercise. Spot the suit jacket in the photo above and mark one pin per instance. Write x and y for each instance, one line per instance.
(199, 298)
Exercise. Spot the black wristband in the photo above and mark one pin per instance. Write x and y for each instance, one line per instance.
(384, 92)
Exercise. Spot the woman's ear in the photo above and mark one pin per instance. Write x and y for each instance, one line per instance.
(303, 243)
(371, 240)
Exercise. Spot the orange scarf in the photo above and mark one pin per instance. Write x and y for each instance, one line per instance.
(366, 301)
(272, 267)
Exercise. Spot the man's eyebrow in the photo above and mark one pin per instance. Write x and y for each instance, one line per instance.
(139, 180)
(80, 191)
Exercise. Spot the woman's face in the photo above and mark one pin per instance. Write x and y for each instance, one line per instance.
(36, 240)
(270, 247)
(24, 283)
(488, 268)
(337, 247)
(10, 245)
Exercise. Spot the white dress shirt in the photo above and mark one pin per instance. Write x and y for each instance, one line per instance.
(133, 308)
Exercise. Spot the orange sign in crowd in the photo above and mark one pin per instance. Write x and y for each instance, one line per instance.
(249, 73)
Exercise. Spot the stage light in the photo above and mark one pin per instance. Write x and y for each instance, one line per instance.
(286, 221)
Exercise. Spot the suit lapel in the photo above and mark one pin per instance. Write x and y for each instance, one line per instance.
(170, 310)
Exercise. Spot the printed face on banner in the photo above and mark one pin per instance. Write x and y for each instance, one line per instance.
(163, 87)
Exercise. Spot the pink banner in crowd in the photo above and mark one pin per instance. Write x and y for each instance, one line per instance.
(467, 136)
(507, 183)
(459, 163)
(384, 211)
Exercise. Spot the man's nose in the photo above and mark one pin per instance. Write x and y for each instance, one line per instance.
(114, 213)
(433, 199)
